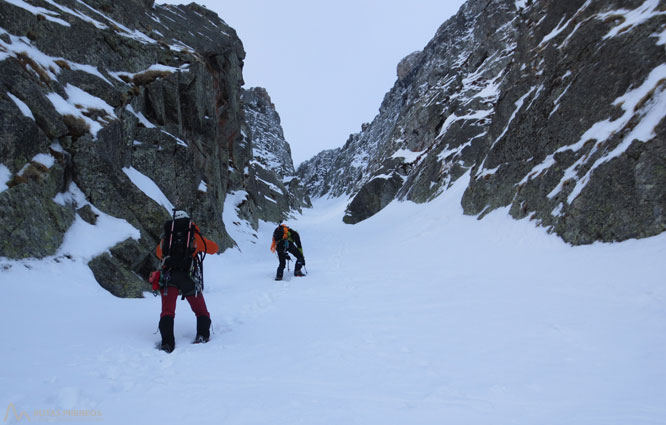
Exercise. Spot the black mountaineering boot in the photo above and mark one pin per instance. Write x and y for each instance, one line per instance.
(278, 276)
(166, 329)
(203, 329)
(299, 265)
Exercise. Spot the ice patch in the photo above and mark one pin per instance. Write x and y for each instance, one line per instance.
(25, 110)
(74, 196)
(180, 47)
(39, 11)
(45, 159)
(546, 164)
(474, 116)
(444, 154)
(239, 229)
(272, 186)
(124, 31)
(518, 106)
(555, 32)
(631, 19)
(556, 104)
(148, 187)
(661, 38)
(107, 232)
(78, 14)
(43, 64)
(407, 155)
(84, 100)
(79, 103)
(652, 114)
(5, 176)
(88, 69)
(86, 241)
(118, 75)
(142, 118)
(361, 160)
(179, 141)
(382, 177)
(56, 147)
(491, 91)
(635, 103)
(486, 172)
(562, 26)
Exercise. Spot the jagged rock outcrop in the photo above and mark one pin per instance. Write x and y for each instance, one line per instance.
(273, 188)
(103, 96)
(553, 108)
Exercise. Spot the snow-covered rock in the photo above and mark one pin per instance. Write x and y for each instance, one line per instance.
(137, 106)
(556, 108)
(273, 188)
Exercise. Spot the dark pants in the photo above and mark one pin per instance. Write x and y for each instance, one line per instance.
(282, 250)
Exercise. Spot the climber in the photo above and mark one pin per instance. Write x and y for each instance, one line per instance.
(181, 250)
(287, 240)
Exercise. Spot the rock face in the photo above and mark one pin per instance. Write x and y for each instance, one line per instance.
(271, 175)
(98, 95)
(554, 109)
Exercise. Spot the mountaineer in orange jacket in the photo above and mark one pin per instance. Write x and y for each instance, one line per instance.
(181, 250)
(287, 240)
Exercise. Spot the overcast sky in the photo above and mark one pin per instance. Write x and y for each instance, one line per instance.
(327, 65)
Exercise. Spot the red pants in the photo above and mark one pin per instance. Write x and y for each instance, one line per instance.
(198, 304)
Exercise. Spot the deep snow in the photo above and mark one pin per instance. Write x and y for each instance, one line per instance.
(419, 315)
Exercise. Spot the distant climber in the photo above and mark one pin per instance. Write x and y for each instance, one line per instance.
(286, 240)
(182, 250)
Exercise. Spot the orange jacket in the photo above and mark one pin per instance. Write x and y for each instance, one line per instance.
(209, 247)
(285, 235)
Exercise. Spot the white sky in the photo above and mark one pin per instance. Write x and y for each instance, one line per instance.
(327, 66)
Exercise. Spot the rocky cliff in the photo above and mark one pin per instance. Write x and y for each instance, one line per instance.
(553, 109)
(123, 108)
(275, 190)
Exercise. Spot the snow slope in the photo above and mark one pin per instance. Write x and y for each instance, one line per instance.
(418, 315)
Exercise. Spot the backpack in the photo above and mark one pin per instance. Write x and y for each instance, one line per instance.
(280, 232)
(295, 237)
(178, 244)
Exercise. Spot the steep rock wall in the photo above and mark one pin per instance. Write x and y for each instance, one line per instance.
(274, 191)
(555, 109)
(118, 107)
